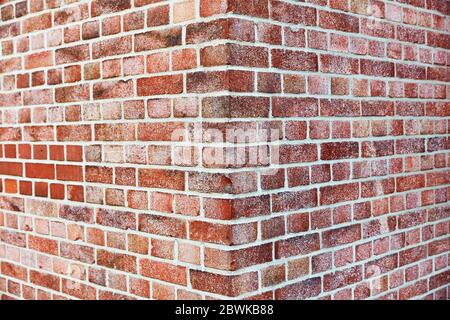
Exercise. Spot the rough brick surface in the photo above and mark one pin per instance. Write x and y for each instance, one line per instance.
(210, 149)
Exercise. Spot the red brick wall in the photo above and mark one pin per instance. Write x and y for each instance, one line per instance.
(136, 138)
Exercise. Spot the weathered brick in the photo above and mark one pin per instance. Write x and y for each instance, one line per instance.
(157, 39)
(39, 60)
(118, 261)
(290, 13)
(113, 89)
(333, 194)
(289, 201)
(160, 85)
(164, 226)
(116, 219)
(230, 286)
(72, 54)
(72, 93)
(222, 234)
(299, 245)
(299, 291)
(100, 7)
(341, 236)
(294, 60)
(342, 278)
(163, 271)
(339, 150)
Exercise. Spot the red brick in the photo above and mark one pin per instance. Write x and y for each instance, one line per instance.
(43, 245)
(336, 64)
(79, 290)
(302, 290)
(77, 252)
(72, 54)
(40, 171)
(160, 225)
(69, 173)
(76, 213)
(377, 108)
(339, 150)
(234, 55)
(73, 133)
(113, 89)
(342, 278)
(111, 47)
(13, 270)
(39, 96)
(202, 82)
(412, 255)
(39, 60)
(377, 148)
(410, 72)
(294, 60)
(298, 153)
(377, 68)
(339, 108)
(410, 182)
(230, 286)
(163, 271)
(98, 174)
(11, 168)
(45, 280)
(238, 259)
(160, 85)
(100, 7)
(257, 8)
(378, 29)
(222, 234)
(116, 219)
(294, 107)
(333, 194)
(72, 93)
(290, 13)
(235, 107)
(160, 178)
(234, 183)
(289, 201)
(340, 236)
(118, 261)
(299, 245)
(439, 280)
(114, 132)
(40, 22)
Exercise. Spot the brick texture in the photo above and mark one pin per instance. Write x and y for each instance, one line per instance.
(211, 149)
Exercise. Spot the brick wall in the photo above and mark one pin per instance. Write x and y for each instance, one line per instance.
(224, 148)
